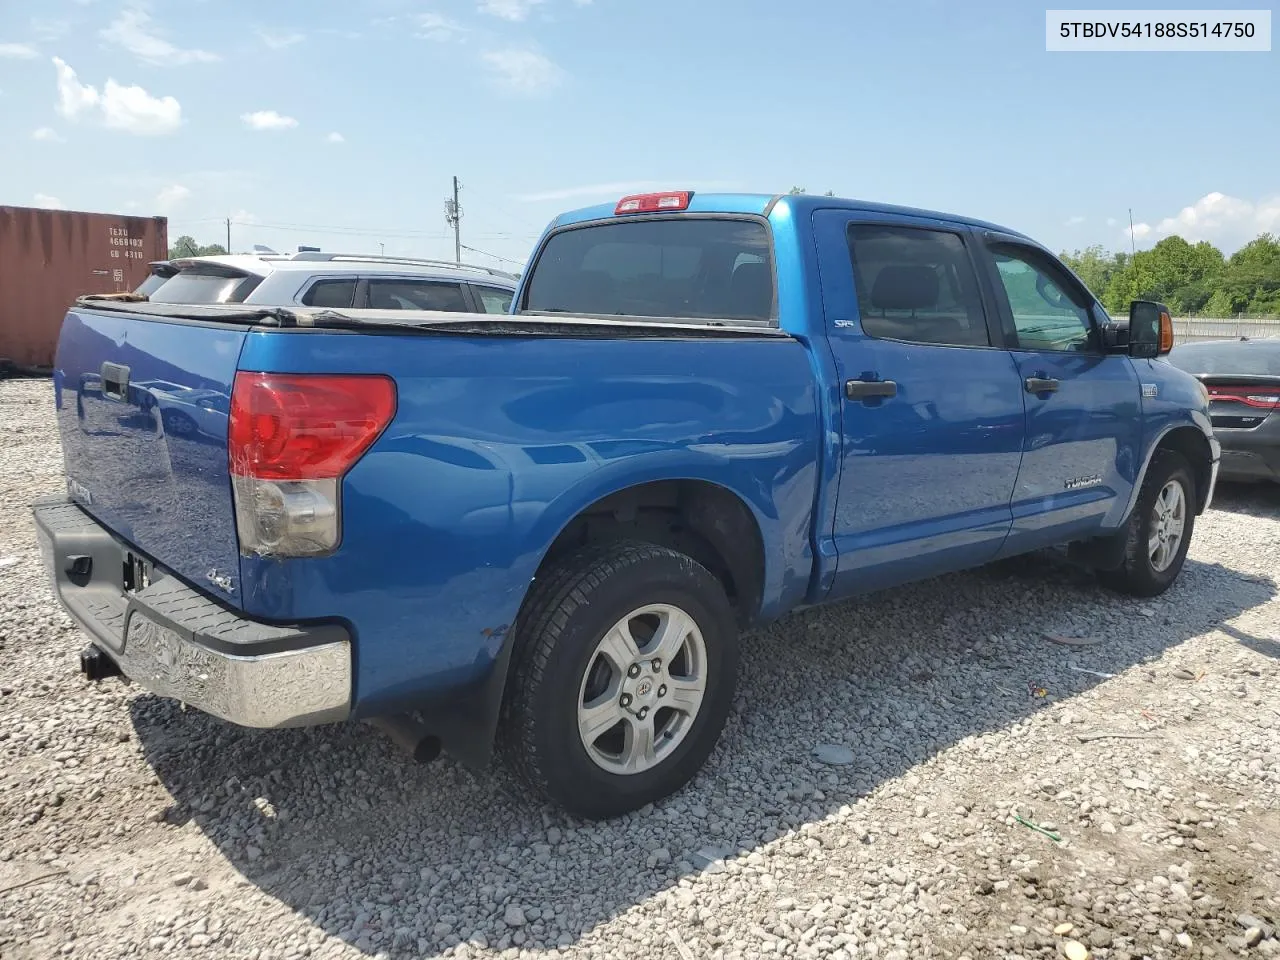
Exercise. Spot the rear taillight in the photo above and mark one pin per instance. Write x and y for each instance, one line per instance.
(291, 439)
(1260, 398)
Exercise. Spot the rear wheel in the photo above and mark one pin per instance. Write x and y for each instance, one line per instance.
(1159, 531)
(624, 675)
(178, 423)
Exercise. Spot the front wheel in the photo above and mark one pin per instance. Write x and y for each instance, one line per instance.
(625, 670)
(1159, 531)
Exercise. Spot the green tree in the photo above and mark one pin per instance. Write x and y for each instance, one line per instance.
(1251, 283)
(1094, 266)
(185, 246)
(1173, 271)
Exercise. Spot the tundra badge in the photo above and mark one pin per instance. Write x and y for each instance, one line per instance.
(1075, 483)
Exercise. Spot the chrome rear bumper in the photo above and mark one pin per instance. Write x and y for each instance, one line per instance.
(179, 643)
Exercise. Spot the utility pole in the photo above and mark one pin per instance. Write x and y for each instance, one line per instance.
(453, 217)
(228, 234)
(1133, 249)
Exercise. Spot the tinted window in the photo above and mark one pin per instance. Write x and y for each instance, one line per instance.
(1049, 312)
(207, 283)
(916, 285)
(416, 295)
(493, 300)
(686, 268)
(331, 293)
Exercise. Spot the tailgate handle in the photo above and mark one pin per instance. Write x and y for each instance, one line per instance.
(115, 381)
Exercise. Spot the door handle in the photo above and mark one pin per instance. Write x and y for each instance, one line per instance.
(1040, 385)
(869, 389)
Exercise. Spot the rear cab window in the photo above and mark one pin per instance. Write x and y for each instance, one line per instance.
(206, 283)
(683, 267)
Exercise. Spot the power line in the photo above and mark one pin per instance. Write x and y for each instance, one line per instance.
(486, 253)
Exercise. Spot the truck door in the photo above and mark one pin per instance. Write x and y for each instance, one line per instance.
(932, 403)
(1084, 423)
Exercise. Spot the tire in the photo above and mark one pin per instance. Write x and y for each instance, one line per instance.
(575, 609)
(1146, 572)
(178, 423)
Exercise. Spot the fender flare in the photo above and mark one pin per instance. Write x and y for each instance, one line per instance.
(466, 720)
(1215, 453)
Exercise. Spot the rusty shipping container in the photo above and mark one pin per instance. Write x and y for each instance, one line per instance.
(50, 257)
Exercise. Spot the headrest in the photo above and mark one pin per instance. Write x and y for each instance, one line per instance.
(905, 287)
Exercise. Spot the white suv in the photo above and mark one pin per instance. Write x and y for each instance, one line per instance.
(335, 280)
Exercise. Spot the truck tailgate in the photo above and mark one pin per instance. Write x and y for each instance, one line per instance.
(142, 406)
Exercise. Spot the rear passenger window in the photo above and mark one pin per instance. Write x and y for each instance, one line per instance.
(331, 293)
(916, 285)
(416, 295)
(493, 300)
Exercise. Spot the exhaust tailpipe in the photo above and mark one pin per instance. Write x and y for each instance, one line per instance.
(410, 736)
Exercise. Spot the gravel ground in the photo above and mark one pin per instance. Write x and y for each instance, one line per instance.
(142, 830)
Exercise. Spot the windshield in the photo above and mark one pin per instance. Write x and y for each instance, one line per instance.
(682, 268)
(206, 283)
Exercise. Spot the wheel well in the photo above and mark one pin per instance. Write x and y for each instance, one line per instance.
(702, 520)
(1194, 448)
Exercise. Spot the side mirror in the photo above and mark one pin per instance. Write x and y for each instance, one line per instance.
(1150, 329)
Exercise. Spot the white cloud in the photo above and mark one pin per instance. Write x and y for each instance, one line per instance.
(522, 71)
(131, 109)
(622, 188)
(243, 218)
(48, 202)
(1229, 222)
(433, 26)
(46, 134)
(18, 51)
(335, 137)
(172, 197)
(132, 30)
(74, 97)
(50, 29)
(1112, 221)
(1075, 221)
(268, 120)
(134, 110)
(279, 41)
(514, 10)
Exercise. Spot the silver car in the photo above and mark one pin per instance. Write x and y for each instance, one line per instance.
(335, 280)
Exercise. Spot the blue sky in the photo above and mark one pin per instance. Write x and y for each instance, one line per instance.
(341, 124)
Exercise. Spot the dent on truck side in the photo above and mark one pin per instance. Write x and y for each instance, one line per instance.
(497, 444)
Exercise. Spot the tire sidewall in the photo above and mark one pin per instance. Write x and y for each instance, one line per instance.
(666, 579)
(1167, 469)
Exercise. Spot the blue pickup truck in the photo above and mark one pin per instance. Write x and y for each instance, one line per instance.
(539, 535)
